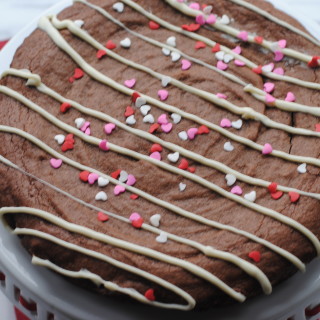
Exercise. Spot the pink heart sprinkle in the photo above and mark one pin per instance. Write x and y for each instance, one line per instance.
(239, 63)
(109, 127)
(130, 83)
(134, 216)
(211, 19)
(194, 5)
(118, 189)
(163, 94)
(290, 97)
(192, 132)
(267, 148)
(92, 178)
(55, 163)
(225, 123)
(278, 56)
(268, 87)
(282, 43)
(85, 126)
(163, 119)
(236, 190)
(166, 127)
(222, 66)
(279, 71)
(243, 35)
(131, 180)
(185, 64)
(155, 155)
(270, 99)
(88, 131)
(237, 50)
(103, 145)
(221, 95)
(200, 19)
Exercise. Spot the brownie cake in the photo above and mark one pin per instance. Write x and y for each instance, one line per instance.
(165, 151)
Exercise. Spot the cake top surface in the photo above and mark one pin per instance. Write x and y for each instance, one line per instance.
(165, 150)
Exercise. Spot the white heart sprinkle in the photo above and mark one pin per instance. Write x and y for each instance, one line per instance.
(131, 120)
(101, 196)
(207, 10)
(145, 109)
(123, 176)
(118, 6)
(79, 23)
(175, 56)
(183, 135)
(275, 47)
(176, 118)
(166, 51)
(162, 237)
(59, 138)
(228, 146)
(227, 58)
(125, 43)
(155, 220)
(224, 19)
(237, 124)
(231, 179)
(140, 102)
(165, 81)
(148, 118)
(182, 186)
(173, 157)
(302, 168)
(251, 196)
(79, 122)
(219, 55)
(268, 68)
(171, 41)
(102, 182)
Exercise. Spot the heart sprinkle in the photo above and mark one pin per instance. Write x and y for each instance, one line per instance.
(110, 45)
(162, 237)
(236, 190)
(203, 130)
(191, 27)
(134, 216)
(137, 223)
(65, 107)
(101, 196)
(176, 118)
(166, 127)
(163, 94)
(166, 51)
(194, 5)
(155, 155)
(139, 102)
(101, 53)
(211, 19)
(59, 138)
(184, 164)
(145, 109)
(92, 178)
(216, 48)
(290, 97)
(225, 123)
(115, 174)
(134, 196)
(165, 81)
(162, 119)
(130, 83)
(55, 163)
(222, 66)
(192, 132)
(83, 175)
(123, 176)
(294, 196)
(302, 168)
(118, 6)
(237, 50)
(228, 146)
(268, 87)
(258, 39)
(154, 127)
(109, 127)
(237, 124)
(156, 147)
(171, 41)
(79, 23)
(239, 63)
(255, 256)
(278, 56)
(199, 45)
(103, 145)
(267, 149)
(183, 135)
(269, 99)
(131, 120)
(125, 43)
(251, 196)
(243, 35)
(153, 25)
(131, 180)
(182, 186)
(282, 43)
(102, 217)
(185, 64)
(175, 56)
(173, 157)
(102, 182)
(268, 67)
(79, 122)
(231, 179)
(279, 71)
(78, 73)
(155, 220)
(119, 189)
(221, 96)
(129, 111)
(277, 195)
(200, 19)
(149, 294)
(272, 188)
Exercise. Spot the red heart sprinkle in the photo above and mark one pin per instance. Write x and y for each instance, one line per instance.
(258, 39)
(69, 137)
(84, 176)
(134, 196)
(200, 45)
(65, 107)
(318, 127)
(149, 294)
(115, 174)
(313, 63)
(110, 45)
(191, 27)
(203, 129)
(192, 169)
(204, 6)
(137, 223)
(294, 196)
(257, 70)
(78, 73)
(154, 127)
(156, 147)
(272, 187)
(312, 312)
(129, 111)
(135, 96)
(101, 53)
(277, 195)
(67, 145)
(184, 164)
(102, 217)
(255, 256)
(216, 48)
(153, 25)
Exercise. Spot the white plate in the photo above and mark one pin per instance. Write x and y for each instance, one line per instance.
(66, 301)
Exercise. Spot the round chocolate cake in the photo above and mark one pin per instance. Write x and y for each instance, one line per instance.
(165, 151)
